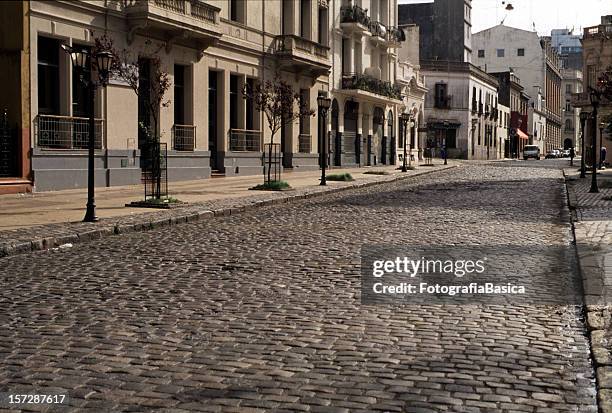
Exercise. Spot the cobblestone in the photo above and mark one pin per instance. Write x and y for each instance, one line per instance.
(267, 302)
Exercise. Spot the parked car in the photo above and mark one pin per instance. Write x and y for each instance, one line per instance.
(566, 153)
(531, 151)
(552, 154)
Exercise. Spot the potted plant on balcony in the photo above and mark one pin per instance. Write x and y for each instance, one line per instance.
(281, 106)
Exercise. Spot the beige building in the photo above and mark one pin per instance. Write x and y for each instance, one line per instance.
(571, 83)
(371, 84)
(210, 50)
(597, 54)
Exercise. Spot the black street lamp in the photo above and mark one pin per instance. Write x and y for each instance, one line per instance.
(324, 102)
(405, 119)
(594, 96)
(583, 118)
(602, 126)
(84, 60)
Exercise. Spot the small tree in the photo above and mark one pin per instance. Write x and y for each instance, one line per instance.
(126, 67)
(280, 104)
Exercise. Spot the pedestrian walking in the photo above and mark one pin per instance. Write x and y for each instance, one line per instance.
(572, 154)
(602, 157)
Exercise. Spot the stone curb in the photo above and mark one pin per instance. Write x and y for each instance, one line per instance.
(151, 221)
(597, 317)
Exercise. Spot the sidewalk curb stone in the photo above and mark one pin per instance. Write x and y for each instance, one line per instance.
(85, 232)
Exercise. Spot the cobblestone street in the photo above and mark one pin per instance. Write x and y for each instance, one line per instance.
(261, 311)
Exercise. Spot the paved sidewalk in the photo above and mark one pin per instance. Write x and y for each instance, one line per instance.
(593, 231)
(52, 219)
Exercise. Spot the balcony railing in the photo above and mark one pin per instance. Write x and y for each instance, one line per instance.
(244, 140)
(183, 137)
(66, 132)
(395, 35)
(371, 84)
(292, 45)
(378, 29)
(304, 143)
(354, 14)
(196, 9)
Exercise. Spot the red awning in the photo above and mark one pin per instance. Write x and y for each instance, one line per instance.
(522, 134)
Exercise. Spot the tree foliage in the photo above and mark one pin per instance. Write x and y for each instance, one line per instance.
(280, 104)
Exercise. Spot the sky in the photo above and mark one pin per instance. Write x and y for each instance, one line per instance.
(546, 14)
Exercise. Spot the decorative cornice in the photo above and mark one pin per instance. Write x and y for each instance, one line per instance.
(323, 4)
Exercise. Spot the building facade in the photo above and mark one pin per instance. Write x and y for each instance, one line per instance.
(462, 112)
(211, 50)
(369, 84)
(597, 53)
(15, 123)
(571, 84)
(533, 60)
(511, 93)
(444, 25)
(536, 120)
(569, 48)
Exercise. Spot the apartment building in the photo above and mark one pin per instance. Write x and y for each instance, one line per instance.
(210, 50)
(462, 112)
(369, 84)
(597, 53)
(571, 84)
(533, 60)
(511, 95)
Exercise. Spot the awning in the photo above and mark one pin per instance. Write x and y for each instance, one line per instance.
(521, 134)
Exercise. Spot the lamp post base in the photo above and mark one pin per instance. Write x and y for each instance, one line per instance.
(90, 215)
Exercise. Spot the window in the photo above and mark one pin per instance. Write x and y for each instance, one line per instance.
(481, 53)
(592, 75)
(568, 88)
(305, 19)
(520, 52)
(568, 125)
(304, 119)
(441, 98)
(323, 25)
(179, 95)
(568, 105)
(250, 106)
(48, 76)
(501, 52)
(238, 10)
(233, 101)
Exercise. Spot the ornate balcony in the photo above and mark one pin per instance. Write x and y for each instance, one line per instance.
(354, 19)
(192, 23)
(301, 55)
(372, 85)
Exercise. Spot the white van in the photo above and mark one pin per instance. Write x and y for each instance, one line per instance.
(531, 151)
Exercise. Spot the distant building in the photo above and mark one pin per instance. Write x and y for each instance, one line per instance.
(462, 111)
(510, 91)
(571, 84)
(532, 59)
(569, 47)
(597, 49)
(443, 24)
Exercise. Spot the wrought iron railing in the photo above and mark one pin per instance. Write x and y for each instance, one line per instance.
(304, 143)
(395, 35)
(244, 140)
(378, 29)
(183, 137)
(371, 84)
(66, 132)
(354, 14)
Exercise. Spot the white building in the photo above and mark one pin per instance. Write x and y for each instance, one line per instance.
(533, 60)
(537, 121)
(503, 129)
(461, 109)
